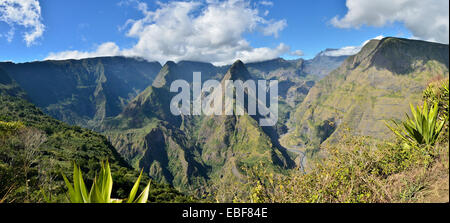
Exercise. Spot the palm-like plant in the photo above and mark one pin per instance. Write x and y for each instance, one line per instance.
(422, 129)
(101, 188)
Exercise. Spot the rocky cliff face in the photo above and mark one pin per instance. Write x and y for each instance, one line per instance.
(190, 151)
(9, 87)
(375, 85)
(128, 101)
(83, 92)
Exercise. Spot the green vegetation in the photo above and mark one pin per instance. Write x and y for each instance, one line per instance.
(337, 123)
(35, 149)
(376, 84)
(358, 173)
(81, 92)
(192, 153)
(6, 128)
(438, 92)
(423, 128)
(92, 92)
(361, 169)
(101, 188)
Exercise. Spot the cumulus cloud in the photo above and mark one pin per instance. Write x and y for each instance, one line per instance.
(211, 31)
(105, 49)
(298, 53)
(426, 19)
(348, 50)
(25, 13)
(259, 54)
(273, 28)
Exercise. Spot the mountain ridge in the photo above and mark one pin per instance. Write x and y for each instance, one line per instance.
(82, 92)
(366, 89)
(202, 148)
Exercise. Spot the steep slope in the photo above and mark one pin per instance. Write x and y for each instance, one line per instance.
(229, 143)
(83, 92)
(8, 86)
(322, 64)
(100, 93)
(32, 159)
(294, 82)
(183, 70)
(150, 137)
(375, 85)
(189, 151)
(296, 78)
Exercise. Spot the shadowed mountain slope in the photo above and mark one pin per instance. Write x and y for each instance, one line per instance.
(83, 92)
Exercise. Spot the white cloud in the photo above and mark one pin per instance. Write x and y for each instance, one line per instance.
(344, 51)
(348, 50)
(105, 49)
(26, 13)
(259, 54)
(298, 53)
(426, 19)
(273, 28)
(380, 37)
(210, 31)
(266, 3)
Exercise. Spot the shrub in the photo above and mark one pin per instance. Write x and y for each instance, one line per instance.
(357, 170)
(438, 92)
(10, 127)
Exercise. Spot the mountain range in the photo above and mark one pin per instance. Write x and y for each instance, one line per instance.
(373, 86)
(127, 101)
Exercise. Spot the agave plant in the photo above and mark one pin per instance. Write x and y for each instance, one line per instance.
(422, 129)
(101, 188)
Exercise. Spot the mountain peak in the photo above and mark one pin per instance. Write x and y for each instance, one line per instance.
(399, 55)
(170, 63)
(237, 63)
(165, 75)
(237, 71)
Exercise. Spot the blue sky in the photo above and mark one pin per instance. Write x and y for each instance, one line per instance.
(259, 29)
